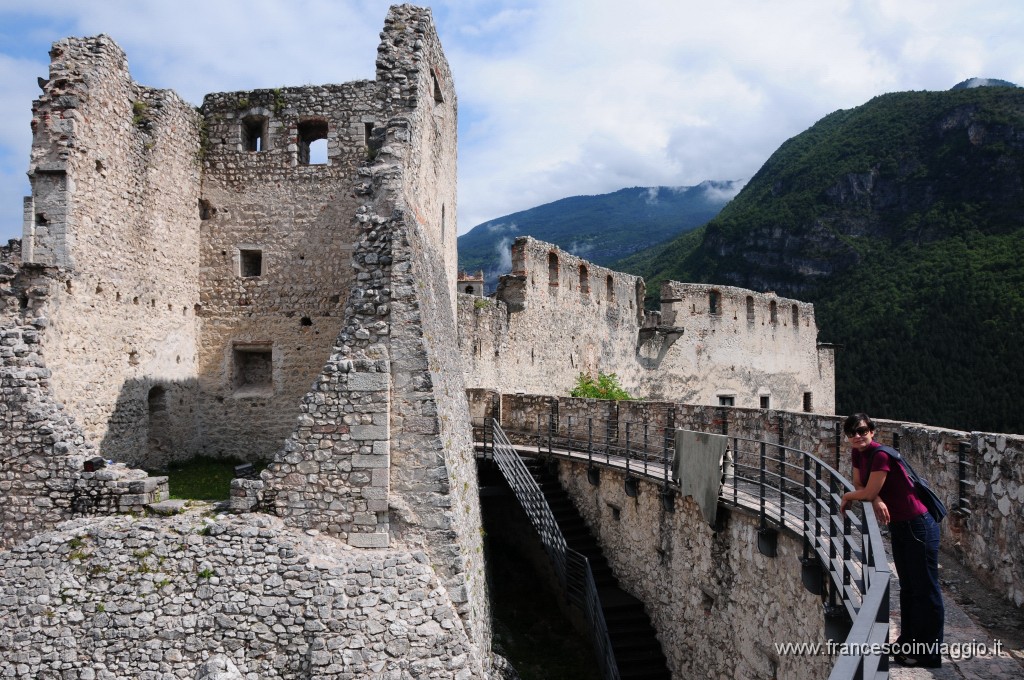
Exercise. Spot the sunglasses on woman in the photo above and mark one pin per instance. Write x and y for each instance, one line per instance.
(859, 432)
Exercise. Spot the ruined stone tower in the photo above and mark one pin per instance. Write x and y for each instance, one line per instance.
(270, 277)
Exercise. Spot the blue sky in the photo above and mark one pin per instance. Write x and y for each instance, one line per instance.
(556, 97)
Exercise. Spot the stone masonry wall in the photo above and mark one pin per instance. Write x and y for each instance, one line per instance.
(115, 189)
(705, 591)
(159, 598)
(556, 316)
(382, 454)
(277, 241)
(983, 539)
(42, 448)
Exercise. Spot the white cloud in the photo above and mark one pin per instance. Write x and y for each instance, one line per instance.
(556, 98)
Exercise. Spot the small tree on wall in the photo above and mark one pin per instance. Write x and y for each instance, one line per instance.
(606, 386)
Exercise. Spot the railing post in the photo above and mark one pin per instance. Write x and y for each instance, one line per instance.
(839, 443)
(763, 467)
(646, 425)
(590, 441)
(963, 504)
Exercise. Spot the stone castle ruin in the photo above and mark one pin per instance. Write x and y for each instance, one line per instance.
(273, 277)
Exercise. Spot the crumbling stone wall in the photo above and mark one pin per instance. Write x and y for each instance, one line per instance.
(556, 316)
(42, 448)
(126, 597)
(382, 454)
(115, 189)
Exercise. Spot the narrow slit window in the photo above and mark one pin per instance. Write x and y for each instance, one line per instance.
(773, 311)
(250, 263)
(796, 317)
(254, 133)
(750, 309)
(438, 96)
(609, 289)
(584, 280)
(808, 402)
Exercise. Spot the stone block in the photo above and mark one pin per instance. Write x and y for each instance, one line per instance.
(370, 461)
(369, 540)
(370, 432)
(368, 382)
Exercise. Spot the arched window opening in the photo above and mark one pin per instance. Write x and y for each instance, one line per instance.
(313, 142)
(584, 280)
(552, 269)
(714, 302)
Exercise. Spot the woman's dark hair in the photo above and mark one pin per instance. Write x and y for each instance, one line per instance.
(851, 423)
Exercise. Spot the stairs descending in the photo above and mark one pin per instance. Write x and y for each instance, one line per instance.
(637, 650)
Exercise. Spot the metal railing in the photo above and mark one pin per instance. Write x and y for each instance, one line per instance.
(572, 568)
(789, 490)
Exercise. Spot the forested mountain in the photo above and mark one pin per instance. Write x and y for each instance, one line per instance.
(903, 221)
(601, 228)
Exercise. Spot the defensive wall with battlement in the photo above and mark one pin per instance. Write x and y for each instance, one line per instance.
(556, 316)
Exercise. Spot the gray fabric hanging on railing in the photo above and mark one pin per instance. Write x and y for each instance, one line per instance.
(697, 466)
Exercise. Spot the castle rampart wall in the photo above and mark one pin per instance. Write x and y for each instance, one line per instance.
(556, 316)
(115, 182)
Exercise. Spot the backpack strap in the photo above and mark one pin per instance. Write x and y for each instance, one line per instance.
(907, 469)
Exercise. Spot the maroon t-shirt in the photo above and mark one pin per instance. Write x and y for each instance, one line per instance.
(897, 491)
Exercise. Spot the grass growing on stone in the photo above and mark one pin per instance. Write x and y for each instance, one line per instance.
(201, 478)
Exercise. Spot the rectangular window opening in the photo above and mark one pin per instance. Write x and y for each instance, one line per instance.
(727, 400)
(252, 369)
(254, 133)
(765, 401)
(250, 263)
(808, 403)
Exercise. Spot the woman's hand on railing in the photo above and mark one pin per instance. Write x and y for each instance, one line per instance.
(881, 511)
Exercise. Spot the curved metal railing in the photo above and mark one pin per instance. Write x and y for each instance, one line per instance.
(789, 489)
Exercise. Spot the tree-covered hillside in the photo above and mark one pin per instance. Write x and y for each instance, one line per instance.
(601, 228)
(903, 221)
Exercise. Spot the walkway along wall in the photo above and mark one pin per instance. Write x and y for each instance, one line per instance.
(556, 316)
(986, 520)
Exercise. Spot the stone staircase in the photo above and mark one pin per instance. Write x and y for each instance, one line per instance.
(637, 650)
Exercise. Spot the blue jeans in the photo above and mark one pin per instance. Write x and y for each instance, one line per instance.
(915, 550)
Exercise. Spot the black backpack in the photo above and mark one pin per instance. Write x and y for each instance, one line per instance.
(936, 508)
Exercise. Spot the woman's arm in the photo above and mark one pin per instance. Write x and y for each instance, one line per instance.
(868, 492)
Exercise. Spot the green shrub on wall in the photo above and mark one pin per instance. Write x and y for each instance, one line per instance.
(606, 386)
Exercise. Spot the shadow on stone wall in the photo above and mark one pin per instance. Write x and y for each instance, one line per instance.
(155, 422)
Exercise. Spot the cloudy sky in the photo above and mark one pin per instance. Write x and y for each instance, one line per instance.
(556, 97)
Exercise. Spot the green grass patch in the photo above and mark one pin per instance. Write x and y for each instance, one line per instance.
(201, 478)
